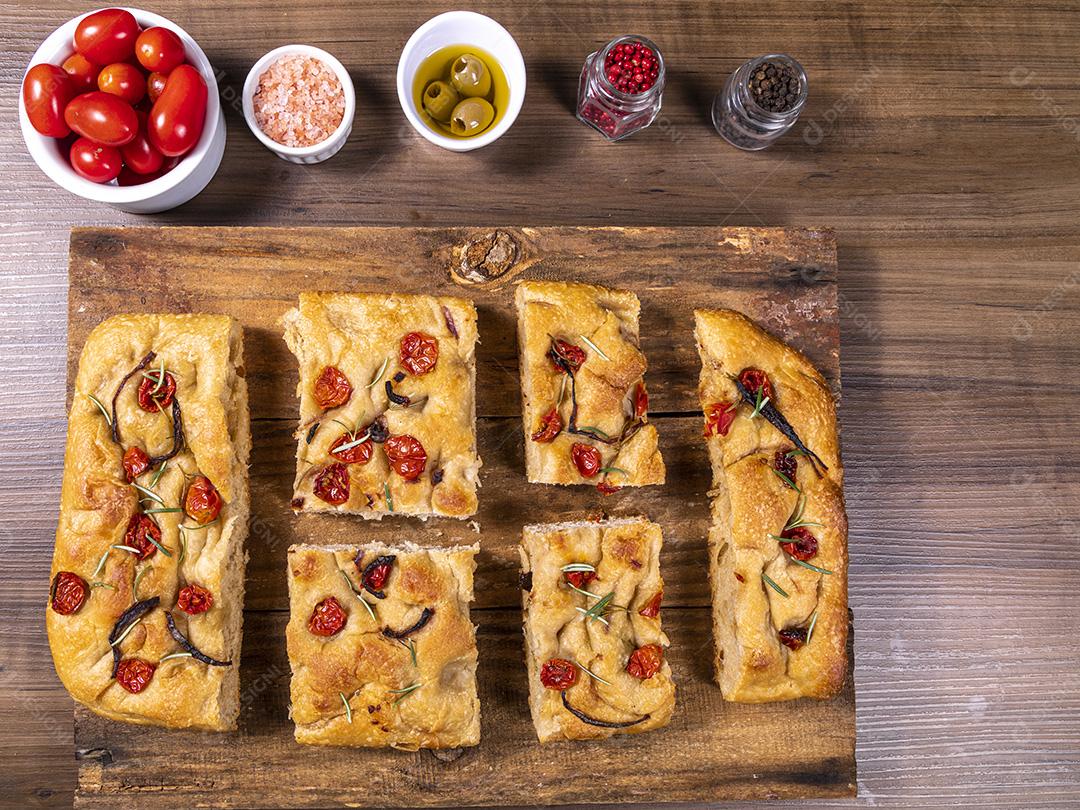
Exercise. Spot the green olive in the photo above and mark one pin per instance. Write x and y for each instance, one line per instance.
(471, 117)
(471, 76)
(440, 100)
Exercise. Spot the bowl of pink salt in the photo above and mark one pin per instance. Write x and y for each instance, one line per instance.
(300, 102)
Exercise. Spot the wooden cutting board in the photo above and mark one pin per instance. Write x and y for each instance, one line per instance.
(712, 751)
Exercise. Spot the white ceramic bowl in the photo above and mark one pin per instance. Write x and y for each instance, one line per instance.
(301, 154)
(190, 176)
(461, 28)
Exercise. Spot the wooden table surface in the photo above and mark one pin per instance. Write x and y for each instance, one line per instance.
(941, 141)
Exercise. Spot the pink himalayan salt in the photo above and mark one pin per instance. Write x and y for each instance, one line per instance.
(299, 101)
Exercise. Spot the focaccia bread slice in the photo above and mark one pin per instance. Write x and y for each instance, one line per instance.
(387, 404)
(778, 542)
(593, 642)
(397, 671)
(147, 596)
(584, 402)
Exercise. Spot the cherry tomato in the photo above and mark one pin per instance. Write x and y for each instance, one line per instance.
(558, 673)
(122, 80)
(98, 164)
(332, 388)
(586, 458)
(82, 71)
(155, 83)
(580, 579)
(755, 380)
(651, 608)
(102, 117)
(107, 36)
(564, 354)
(203, 502)
(194, 599)
(418, 353)
(793, 637)
(802, 544)
(136, 462)
(641, 401)
(376, 573)
(46, 91)
(177, 117)
(155, 395)
(134, 674)
(68, 593)
(139, 155)
(357, 454)
(327, 618)
(645, 661)
(127, 177)
(550, 427)
(159, 49)
(406, 455)
(332, 484)
(142, 534)
(718, 418)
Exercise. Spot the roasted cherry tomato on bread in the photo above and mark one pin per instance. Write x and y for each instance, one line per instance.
(418, 353)
(47, 90)
(156, 394)
(203, 502)
(194, 599)
(102, 117)
(375, 574)
(562, 353)
(142, 534)
(97, 163)
(755, 380)
(136, 462)
(68, 593)
(651, 609)
(406, 455)
(332, 388)
(645, 661)
(718, 418)
(177, 117)
(802, 544)
(82, 71)
(348, 450)
(159, 49)
(134, 674)
(580, 579)
(641, 401)
(558, 673)
(107, 36)
(550, 427)
(124, 81)
(792, 637)
(332, 484)
(327, 618)
(586, 458)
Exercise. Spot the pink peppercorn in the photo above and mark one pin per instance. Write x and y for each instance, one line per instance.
(621, 87)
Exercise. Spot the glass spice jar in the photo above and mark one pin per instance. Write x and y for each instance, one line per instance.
(759, 102)
(621, 87)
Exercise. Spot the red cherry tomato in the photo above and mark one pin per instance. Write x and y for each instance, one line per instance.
(641, 401)
(802, 545)
(652, 608)
(580, 579)
(564, 354)
(123, 80)
(82, 71)
(418, 353)
(756, 381)
(327, 618)
(139, 155)
(645, 661)
(107, 36)
(357, 454)
(46, 91)
(332, 388)
(332, 484)
(154, 394)
(550, 427)
(68, 593)
(155, 84)
(142, 534)
(176, 120)
(406, 455)
(127, 177)
(203, 502)
(558, 673)
(97, 163)
(136, 462)
(102, 117)
(586, 458)
(194, 599)
(718, 418)
(134, 674)
(159, 49)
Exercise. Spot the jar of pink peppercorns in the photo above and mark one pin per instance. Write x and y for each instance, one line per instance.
(621, 87)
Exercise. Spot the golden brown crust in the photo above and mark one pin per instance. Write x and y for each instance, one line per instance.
(626, 556)
(752, 505)
(361, 665)
(204, 354)
(356, 333)
(605, 384)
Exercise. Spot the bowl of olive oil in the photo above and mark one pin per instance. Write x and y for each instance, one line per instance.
(461, 80)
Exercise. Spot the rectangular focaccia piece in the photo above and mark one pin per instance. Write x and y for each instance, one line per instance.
(153, 514)
(387, 404)
(778, 542)
(398, 673)
(593, 642)
(584, 403)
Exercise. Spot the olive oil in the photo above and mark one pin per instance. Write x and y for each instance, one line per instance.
(439, 67)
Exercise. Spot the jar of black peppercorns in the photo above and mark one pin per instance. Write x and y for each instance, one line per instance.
(760, 101)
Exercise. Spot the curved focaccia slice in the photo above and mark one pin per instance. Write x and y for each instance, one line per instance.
(593, 641)
(147, 595)
(387, 404)
(778, 543)
(399, 672)
(584, 402)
